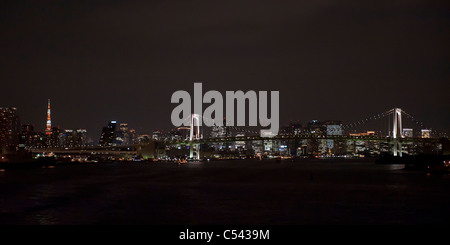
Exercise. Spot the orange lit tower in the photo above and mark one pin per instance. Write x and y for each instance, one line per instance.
(48, 129)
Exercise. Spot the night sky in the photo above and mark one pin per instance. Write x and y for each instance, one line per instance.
(122, 60)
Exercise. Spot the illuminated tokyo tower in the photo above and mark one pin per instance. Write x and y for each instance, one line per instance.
(48, 129)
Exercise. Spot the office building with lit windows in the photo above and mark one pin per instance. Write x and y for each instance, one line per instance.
(9, 130)
(108, 135)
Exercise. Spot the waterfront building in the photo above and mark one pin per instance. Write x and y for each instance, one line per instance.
(334, 146)
(56, 137)
(407, 132)
(180, 133)
(143, 138)
(291, 129)
(9, 130)
(426, 133)
(122, 135)
(26, 136)
(257, 146)
(68, 138)
(270, 145)
(239, 145)
(316, 128)
(350, 147)
(156, 135)
(333, 127)
(108, 135)
(323, 148)
(221, 132)
(133, 136)
(80, 137)
(360, 146)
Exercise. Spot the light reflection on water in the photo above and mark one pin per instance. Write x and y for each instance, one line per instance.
(396, 166)
(45, 219)
(224, 192)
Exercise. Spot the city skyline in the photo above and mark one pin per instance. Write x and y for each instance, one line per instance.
(118, 142)
(121, 61)
(412, 128)
(245, 114)
(381, 128)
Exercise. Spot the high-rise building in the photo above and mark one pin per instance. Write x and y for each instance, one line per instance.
(156, 135)
(108, 135)
(26, 136)
(220, 131)
(291, 129)
(9, 130)
(333, 127)
(360, 146)
(316, 128)
(48, 129)
(68, 138)
(407, 132)
(31, 139)
(143, 138)
(56, 137)
(80, 137)
(334, 146)
(180, 133)
(426, 133)
(133, 136)
(240, 144)
(123, 135)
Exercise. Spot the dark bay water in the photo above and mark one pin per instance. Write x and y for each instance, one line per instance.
(224, 192)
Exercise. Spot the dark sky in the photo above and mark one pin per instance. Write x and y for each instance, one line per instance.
(122, 60)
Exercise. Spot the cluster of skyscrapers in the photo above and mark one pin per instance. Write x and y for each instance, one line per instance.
(15, 136)
(314, 138)
(114, 134)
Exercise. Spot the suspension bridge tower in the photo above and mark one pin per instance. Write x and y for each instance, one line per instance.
(194, 149)
(397, 131)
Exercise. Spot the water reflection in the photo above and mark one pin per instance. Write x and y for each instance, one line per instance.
(45, 219)
(45, 200)
(396, 166)
(225, 192)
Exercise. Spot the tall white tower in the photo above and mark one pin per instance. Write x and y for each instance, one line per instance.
(195, 128)
(194, 149)
(397, 128)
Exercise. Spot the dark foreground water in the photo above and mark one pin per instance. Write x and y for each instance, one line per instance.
(225, 192)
